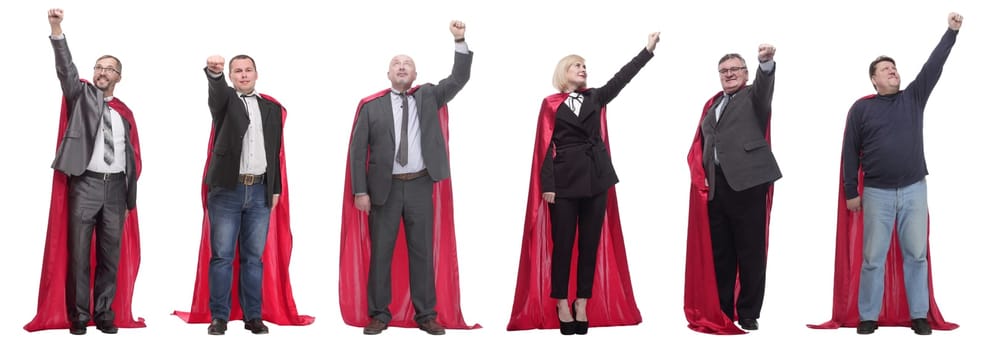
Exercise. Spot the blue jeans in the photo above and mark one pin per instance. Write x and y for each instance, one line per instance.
(907, 207)
(241, 216)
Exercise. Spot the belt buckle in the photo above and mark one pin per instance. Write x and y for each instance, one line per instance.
(106, 176)
(248, 179)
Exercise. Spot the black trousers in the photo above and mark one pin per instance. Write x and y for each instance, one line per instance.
(568, 214)
(737, 224)
(99, 204)
(411, 201)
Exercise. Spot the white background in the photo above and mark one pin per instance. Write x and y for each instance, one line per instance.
(319, 59)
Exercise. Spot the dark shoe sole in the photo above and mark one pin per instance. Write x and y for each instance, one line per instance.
(441, 332)
(77, 331)
(258, 331)
(373, 331)
(109, 330)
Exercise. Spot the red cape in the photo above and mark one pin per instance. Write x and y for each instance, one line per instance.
(701, 297)
(612, 303)
(848, 264)
(278, 301)
(354, 255)
(52, 312)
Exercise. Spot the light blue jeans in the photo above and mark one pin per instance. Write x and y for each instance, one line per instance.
(907, 207)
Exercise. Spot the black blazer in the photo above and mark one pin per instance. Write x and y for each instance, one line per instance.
(374, 131)
(577, 163)
(230, 121)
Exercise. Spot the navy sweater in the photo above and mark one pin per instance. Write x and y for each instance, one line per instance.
(885, 133)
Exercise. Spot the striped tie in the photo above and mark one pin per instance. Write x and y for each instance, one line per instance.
(108, 151)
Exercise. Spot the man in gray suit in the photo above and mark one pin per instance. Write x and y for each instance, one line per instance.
(401, 134)
(740, 169)
(97, 153)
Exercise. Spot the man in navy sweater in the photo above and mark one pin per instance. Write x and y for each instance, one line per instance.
(884, 136)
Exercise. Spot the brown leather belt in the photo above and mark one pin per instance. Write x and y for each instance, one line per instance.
(410, 176)
(249, 180)
(105, 176)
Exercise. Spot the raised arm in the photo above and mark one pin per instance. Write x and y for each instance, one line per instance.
(218, 88)
(763, 85)
(928, 77)
(68, 74)
(615, 84)
(447, 88)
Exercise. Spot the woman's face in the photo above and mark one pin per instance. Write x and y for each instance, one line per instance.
(576, 75)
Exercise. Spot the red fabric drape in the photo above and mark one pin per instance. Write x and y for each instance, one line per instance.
(613, 303)
(354, 255)
(52, 312)
(848, 264)
(701, 297)
(278, 301)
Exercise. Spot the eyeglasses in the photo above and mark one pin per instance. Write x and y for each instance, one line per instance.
(724, 71)
(101, 69)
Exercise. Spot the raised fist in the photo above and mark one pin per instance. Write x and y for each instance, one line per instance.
(766, 52)
(55, 16)
(458, 29)
(215, 64)
(954, 21)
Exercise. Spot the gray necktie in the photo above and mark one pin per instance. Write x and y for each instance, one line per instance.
(402, 149)
(108, 151)
(722, 106)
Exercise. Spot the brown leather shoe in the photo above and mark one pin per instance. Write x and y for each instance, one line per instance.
(375, 327)
(432, 327)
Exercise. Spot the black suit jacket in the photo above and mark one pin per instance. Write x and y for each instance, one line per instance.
(230, 121)
(374, 131)
(85, 109)
(740, 137)
(577, 163)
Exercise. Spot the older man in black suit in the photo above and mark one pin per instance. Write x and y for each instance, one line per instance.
(740, 169)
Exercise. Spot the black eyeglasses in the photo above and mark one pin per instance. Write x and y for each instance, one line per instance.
(101, 69)
(724, 71)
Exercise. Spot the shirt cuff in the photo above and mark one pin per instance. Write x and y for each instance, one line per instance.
(461, 47)
(57, 37)
(767, 67)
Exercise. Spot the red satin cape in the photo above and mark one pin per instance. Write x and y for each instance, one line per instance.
(848, 264)
(354, 255)
(52, 312)
(612, 303)
(278, 305)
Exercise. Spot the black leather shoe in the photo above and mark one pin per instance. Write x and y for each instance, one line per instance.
(749, 324)
(921, 326)
(374, 327)
(256, 326)
(866, 327)
(106, 327)
(78, 328)
(217, 327)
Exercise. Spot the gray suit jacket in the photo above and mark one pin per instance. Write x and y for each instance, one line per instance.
(740, 137)
(85, 109)
(374, 132)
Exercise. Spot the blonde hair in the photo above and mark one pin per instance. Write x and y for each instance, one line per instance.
(561, 80)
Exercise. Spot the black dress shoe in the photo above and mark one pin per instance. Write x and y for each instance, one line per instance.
(106, 327)
(374, 327)
(749, 324)
(920, 326)
(866, 327)
(566, 328)
(256, 326)
(217, 327)
(581, 327)
(78, 328)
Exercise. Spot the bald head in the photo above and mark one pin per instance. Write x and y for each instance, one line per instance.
(402, 72)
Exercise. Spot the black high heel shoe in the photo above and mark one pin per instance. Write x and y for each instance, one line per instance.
(580, 327)
(566, 328)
